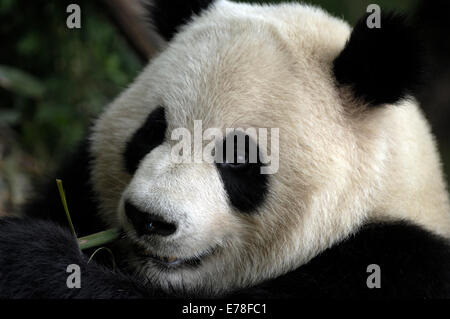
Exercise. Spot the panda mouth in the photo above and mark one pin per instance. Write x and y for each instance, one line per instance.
(173, 262)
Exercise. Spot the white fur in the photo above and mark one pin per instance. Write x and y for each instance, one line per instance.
(341, 164)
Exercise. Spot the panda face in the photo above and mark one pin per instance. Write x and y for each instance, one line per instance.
(219, 226)
(210, 227)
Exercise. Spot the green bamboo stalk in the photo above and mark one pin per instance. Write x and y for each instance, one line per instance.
(99, 239)
(91, 241)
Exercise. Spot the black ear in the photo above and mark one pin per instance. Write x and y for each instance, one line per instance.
(382, 65)
(168, 15)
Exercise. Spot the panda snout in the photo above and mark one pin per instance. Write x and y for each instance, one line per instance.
(146, 223)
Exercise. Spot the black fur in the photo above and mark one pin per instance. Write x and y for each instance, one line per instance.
(34, 256)
(148, 137)
(245, 185)
(381, 65)
(414, 264)
(168, 15)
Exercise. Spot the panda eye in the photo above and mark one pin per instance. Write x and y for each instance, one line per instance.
(240, 160)
(146, 138)
(234, 153)
(239, 165)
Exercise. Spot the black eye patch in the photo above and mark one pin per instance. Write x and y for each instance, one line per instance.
(146, 138)
(241, 173)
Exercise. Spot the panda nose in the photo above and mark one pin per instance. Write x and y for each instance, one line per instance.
(148, 224)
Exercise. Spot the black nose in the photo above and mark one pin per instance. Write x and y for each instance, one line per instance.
(147, 223)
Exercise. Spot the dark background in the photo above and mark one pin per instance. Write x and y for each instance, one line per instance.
(54, 81)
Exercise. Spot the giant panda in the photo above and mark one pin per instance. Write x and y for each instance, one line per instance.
(359, 185)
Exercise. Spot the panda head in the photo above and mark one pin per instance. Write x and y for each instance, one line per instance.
(208, 226)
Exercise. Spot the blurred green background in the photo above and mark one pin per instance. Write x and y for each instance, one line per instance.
(54, 81)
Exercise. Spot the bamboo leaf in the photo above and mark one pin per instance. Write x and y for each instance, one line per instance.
(66, 208)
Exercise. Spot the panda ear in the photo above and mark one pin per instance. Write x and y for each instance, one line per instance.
(382, 65)
(168, 15)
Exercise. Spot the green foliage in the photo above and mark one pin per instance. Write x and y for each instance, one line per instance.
(54, 80)
(20, 83)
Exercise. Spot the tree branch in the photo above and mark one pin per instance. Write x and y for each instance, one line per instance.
(127, 15)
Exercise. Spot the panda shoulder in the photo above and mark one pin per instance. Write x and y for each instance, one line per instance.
(406, 260)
